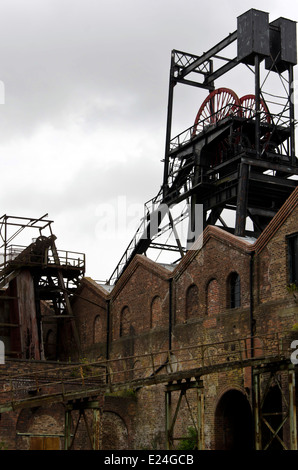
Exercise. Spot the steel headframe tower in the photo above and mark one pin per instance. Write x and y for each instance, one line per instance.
(239, 153)
(31, 275)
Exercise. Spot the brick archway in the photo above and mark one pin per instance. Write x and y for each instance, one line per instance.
(233, 422)
(115, 432)
(41, 428)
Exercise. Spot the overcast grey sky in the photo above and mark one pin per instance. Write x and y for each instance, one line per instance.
(84, 118)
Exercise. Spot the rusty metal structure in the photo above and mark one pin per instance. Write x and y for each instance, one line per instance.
(81, 386)
(239, 153)
(31, 275)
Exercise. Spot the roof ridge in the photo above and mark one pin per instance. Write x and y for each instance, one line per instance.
(276, 222)
(211, 231)
(137, 260)
(92, 284)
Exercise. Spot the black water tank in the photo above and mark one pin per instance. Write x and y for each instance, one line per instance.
(252, 36)
(283, 48)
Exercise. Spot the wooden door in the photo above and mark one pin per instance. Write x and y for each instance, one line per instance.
(44, 443)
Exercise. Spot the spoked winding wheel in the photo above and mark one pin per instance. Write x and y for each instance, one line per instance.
(248, 108)
(219, 104)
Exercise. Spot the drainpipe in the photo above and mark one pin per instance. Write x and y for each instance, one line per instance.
(251, 302)
(252, 325)
(170, 312)
(108, 331)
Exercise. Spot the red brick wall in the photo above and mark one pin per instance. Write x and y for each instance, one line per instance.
(91, 316)
(272, 263)
(199, 316)
(139, 293)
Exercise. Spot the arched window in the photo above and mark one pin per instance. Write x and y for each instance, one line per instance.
(213, 306)
(97, 329)
(156, 312)
(192, 301)
(124, 322)
(234, 291)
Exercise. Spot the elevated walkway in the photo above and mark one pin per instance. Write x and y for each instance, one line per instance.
(45, 383)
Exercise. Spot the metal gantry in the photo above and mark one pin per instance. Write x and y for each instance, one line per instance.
(271, 415)
(81, 388)
(239, 152)
(31, 273)
(92, 424)
(182, 387)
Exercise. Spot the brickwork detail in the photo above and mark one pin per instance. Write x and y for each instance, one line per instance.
(152, 309)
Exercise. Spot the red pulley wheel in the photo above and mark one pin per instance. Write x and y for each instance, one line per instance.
(219, 104)
(248, 108)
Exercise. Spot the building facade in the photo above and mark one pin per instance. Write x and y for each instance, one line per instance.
(222, 321)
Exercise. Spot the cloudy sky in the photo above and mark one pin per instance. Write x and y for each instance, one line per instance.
(83, 123)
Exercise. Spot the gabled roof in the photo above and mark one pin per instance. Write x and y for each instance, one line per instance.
(244, 244)
(241, 243)
(277, 221)
(211, 231)
(93, 286)
(149, 265)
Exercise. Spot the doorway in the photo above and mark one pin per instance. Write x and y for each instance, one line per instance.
(44, 443)
(233, 422)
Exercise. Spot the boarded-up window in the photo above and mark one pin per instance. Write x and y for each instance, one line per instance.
(213, 306)
(192, 301)
(97, 332)
(156, 312)
(125, 322)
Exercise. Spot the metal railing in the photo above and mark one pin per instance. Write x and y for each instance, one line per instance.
(141, 233)
(228, 111)
(134, 371)
(66, 258)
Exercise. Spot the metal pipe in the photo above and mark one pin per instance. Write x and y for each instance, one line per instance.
(170, 312)
(67, 424)
(108, 330)
(254, 399)
(168, 419)
(292, 410)
(200, 410)
(169, 124)
(292, 115)
(251, 302)
(212, 52)
(242, 197)
(5, 241)
(256, 408)
(257, 102)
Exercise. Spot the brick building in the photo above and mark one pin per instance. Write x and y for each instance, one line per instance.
(216, 296)
(205, 345)
(197, 316)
